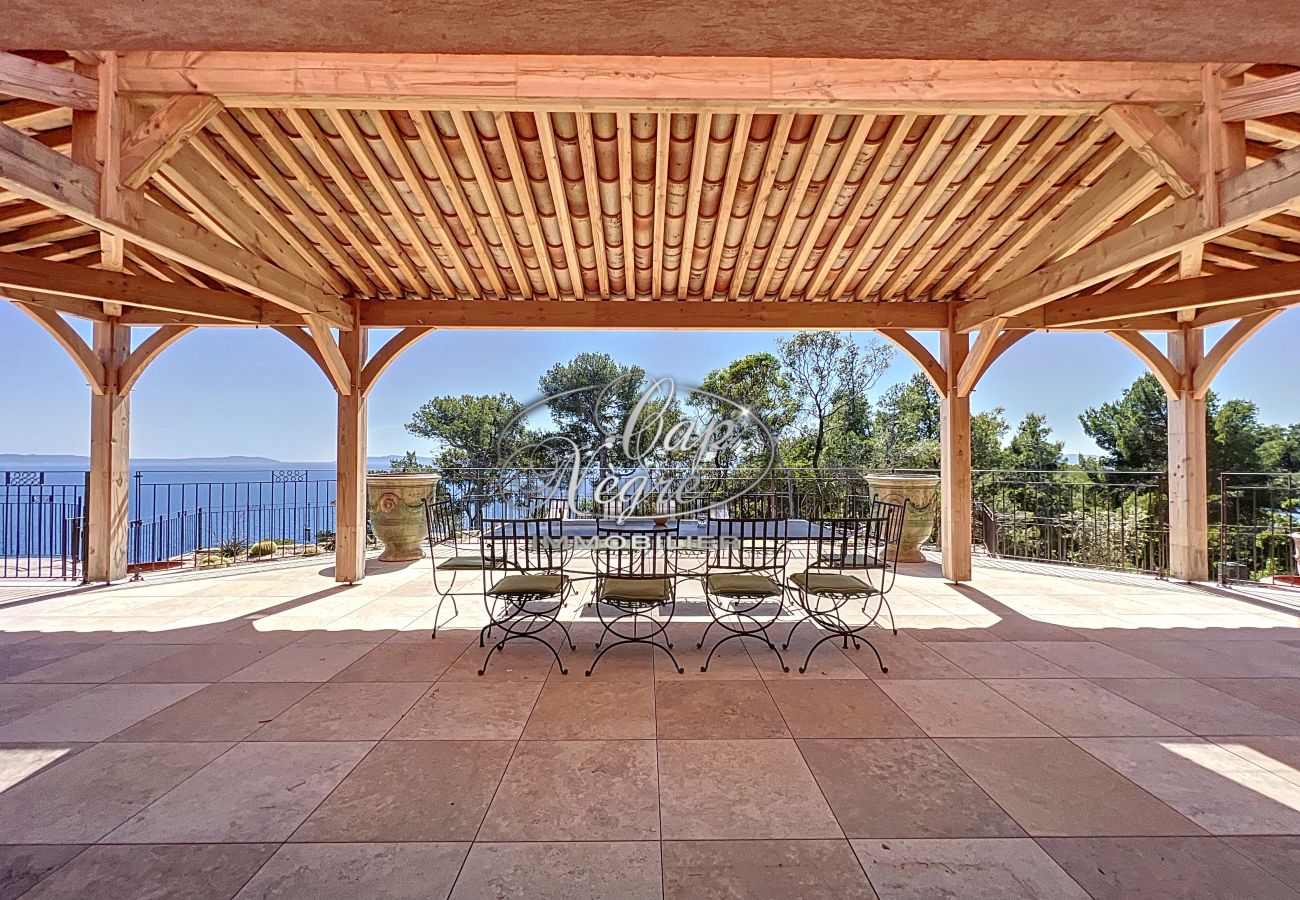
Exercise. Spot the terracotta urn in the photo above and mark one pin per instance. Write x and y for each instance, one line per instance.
(921, 495)
(396, 507)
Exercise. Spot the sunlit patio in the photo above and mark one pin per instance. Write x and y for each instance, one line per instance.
(1040, 733)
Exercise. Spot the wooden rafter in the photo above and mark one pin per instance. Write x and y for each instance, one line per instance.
(45, 83)
(1267, 97)
(1157, 141)
(154, 142)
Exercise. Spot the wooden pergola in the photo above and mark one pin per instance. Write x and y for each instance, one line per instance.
(324, 194)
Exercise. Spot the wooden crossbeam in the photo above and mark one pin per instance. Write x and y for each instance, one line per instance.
(38, 173)
(661, 315)
(1263, 283)
(1155, 140)
(1264, 190)
(445, 81)
(149, 147)
(1266, 97)
(69, 280)
(44, 83)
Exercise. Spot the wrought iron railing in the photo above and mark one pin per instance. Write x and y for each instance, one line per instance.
(41, 534)
(1252, 522)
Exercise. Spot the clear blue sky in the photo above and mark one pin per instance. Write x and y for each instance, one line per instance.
(223, 392)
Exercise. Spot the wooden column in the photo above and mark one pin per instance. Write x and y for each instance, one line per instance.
(110, 455)
(350, 502)
(1188, 469)
(955, 462)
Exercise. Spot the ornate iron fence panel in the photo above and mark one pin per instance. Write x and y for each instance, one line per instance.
(1252, 523)
(41, 527)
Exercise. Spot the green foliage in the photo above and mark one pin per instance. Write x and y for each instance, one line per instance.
(476, 431)
(262, 548)
(409, 465)
(590, 397)
(756, 383)
(234, 547)
(1030, 448)
(1131, 429)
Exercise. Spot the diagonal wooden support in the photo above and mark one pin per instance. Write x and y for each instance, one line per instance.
(1157, 141)
(158, 138)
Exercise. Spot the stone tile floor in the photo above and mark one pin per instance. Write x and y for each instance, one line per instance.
(1043, 733)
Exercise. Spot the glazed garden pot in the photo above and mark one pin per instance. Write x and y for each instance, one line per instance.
(921, 493)
(397, 513)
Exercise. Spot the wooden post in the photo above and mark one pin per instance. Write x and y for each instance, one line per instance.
(955, 461)
(110, 454)
(1188, 469)
(350, 502)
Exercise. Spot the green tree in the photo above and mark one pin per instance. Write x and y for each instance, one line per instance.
(907, 425)
(1031, 448)
(987, 429)
(1280, 449)
(1131, 430)
(590, 398)
(755, 383)
(472, 430)
(828, 371)
(1236, 437)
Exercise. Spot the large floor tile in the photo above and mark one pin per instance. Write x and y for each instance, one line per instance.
(424, 661)
(352, 871)
(255, 792)
(1000, 659)
(840, 709)
(906, 658)
(519, 660)
(470, 710)
(37, 652)
(1279, 754)
(200, 662)
(97, 713)
(18, 700)
(586, 870)
(227, 711)
(605, 710)
(1199, 708)
(1192, 659)
(98, 665)
(412, 791)
(343, 712)
(90, 794)
(902, 788)
(576, 790)
(717, 710)
(1051, 787)
(962, 708)
(1093, 659)
(1188, 868)
(1278, 854)
(1075, 706)
(731, 662)
(184, 872)
(741, 870)
(998, 869)
(740, 789)
(1279, 695)
(1219, 790)
(22, 867)
(19, 762)
(302, 662)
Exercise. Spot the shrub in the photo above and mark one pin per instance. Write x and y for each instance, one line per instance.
(212, 561)
(325, 540)
(309, 550)
(262, 548)
(234, 547)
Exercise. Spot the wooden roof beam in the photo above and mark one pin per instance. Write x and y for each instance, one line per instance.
(1264, 190)
(151, 145)
(1267, 97)
(661, 315)
(28, 79)
(38, 173)
(1156, 140)
(69, 280)
(657, 83)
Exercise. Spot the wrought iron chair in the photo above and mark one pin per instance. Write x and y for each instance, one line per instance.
(635, 577)
(444, 519)
(847, 551)
(895, 516)
(528, 599)
(744, 571)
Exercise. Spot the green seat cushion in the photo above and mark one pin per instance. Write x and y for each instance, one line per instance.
(636, 590)
(540, 585)
(464, 563)
(832, 583)
(743, 585)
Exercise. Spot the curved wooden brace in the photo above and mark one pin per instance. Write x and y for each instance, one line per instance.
(304, 340)
(978, 359)
(387, 354)
(1227, 345)
(59, 329)
(1004, 343)
(1156, 361)
(904, 341)
(149, 350)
